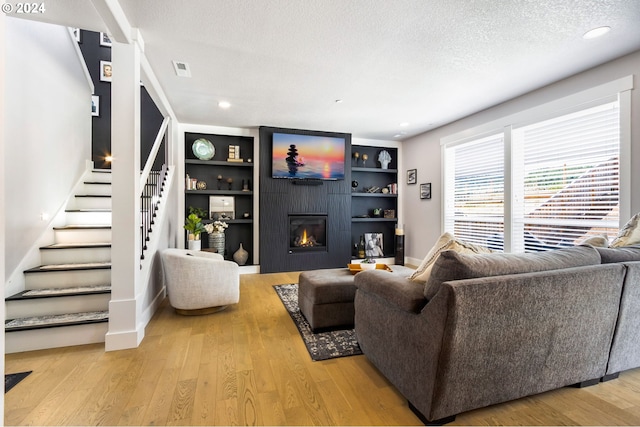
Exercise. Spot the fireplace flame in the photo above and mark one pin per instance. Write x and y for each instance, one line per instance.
(305, 240)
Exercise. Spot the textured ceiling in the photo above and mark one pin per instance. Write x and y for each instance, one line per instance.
(427, 63)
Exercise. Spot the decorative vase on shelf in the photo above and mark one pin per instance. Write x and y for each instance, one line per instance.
(216, 241)
(241, 255)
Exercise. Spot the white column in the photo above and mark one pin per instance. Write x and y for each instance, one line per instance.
(125, 330)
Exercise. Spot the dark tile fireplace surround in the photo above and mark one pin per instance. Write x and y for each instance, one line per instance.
(288, 207)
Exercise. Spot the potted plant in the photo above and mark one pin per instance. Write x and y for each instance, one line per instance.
(193, 225)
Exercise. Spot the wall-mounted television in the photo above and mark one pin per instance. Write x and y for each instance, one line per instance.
(301, 156)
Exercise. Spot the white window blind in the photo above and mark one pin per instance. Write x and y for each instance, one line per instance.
(475, 171)
(571, 177)
(564, 182)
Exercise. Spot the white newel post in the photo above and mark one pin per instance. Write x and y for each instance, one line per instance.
(125, 330)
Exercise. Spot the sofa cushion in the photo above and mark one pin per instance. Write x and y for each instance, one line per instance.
(456, 266)
(623, 254)
(445, 242)
(629, 234)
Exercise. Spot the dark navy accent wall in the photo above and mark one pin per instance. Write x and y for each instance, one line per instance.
(101, 126)
(281, 197)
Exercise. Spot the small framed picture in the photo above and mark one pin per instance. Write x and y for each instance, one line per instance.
(105, 71)
(425, 191)
(222, 208)
(412, 176)
(76, 34)
(373, 245)
(95, 105)
(105, 40)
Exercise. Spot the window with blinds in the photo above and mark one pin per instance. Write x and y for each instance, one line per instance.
(476, 210)
(571, 177)
(564, 183)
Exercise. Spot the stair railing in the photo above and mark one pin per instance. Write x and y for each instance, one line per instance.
(152, 180)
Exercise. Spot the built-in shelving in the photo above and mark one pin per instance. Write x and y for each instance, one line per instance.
(363, 202)
(240, 228)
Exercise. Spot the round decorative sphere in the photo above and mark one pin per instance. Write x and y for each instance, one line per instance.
(201, 185)
(354, 184)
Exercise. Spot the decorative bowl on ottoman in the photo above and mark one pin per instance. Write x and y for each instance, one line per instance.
(368, 264)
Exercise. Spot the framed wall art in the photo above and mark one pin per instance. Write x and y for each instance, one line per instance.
(425, 191)
(105, 40)
(95, 105)
(412, 176)
(105, 71)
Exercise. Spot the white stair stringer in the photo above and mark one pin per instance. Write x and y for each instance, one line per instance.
(66, 298)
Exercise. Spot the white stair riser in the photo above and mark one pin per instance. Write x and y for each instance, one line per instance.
(91, 188)
(39, 339)
(89, 218)
(75, 256)
(83, 236)
(67, 279)
(98, 177)
(90, 203)
(59, 305)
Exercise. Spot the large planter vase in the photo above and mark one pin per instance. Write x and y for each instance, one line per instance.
(216, 241)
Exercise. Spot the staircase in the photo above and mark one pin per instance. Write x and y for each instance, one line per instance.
(66, 301)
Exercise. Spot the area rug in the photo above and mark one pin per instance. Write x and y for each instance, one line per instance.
(10, 380)
(323, 345)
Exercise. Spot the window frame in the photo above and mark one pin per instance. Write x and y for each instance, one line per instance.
(617, 89)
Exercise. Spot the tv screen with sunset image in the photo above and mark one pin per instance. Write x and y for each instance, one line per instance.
(307, 156)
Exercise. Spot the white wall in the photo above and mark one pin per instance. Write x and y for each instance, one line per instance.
(48, 129)
(423, 218)
(2, 192)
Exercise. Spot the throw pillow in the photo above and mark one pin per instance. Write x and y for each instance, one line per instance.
(445, 242)
(456, 266)
(600, 241)
(629, 234)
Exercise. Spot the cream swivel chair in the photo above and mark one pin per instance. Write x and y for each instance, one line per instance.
(200, 282)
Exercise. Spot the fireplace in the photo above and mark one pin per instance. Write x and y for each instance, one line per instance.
(307, 232)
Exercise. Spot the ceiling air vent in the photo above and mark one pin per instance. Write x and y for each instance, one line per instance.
(182, 69)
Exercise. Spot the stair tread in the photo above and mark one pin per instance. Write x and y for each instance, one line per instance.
(50, 321)
(88, 210)
(82, 227)
(60, 292)
(78, 245)
(69, 267)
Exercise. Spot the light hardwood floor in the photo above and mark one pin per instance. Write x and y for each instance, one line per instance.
(247, 365)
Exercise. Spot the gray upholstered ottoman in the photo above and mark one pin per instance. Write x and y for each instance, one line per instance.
(325, 298)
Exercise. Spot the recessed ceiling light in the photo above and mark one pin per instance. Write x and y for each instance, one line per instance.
(404, 124)
(596, 32)
(224, 104)
(339, 101)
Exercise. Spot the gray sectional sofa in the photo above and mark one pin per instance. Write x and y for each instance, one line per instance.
(488, 328)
